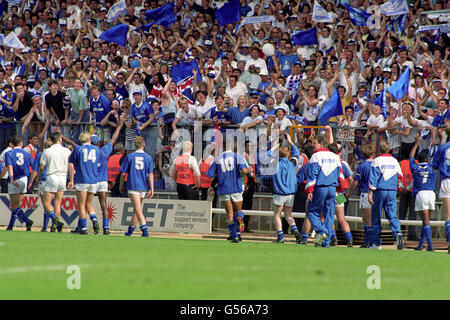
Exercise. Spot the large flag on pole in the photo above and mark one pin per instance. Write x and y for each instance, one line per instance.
(163, 16)
(230, 12)
(117, 34)
(183, 71)
(332, 108)
(400, 87)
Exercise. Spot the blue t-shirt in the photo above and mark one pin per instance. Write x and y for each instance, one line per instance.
(21, 162)
(105, 151)
(236, 115)
(424, 176)
(85, 159)
(363, 174)
(286, 63)
(439, 120)
(36, 165)
(138, 165)
(221, 115)
(264, 85)
(227, 167)
(101, 107)
(142, 112)
(441, 161)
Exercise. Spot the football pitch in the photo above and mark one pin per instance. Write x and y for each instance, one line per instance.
(37, 265)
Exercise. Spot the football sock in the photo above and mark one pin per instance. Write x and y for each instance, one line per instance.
(447, 229)
(305, 236)
(130, 230)
(13, 219)
(22, 215)
(93, 216)
(422, 238)
(232, 228)
(52, 215)
(280, 235)
(348, 236)
(105, 223)
(46, 220)
(428, 235)
(294, 228)
(83, 226)
(144, 230)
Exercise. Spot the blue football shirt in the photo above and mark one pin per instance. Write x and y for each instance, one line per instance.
(85, 159)
(21, 162)
(36, 165)
(105, 151)
(227, 166)
(138, 165)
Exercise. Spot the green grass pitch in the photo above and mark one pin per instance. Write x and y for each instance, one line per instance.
(33, 265)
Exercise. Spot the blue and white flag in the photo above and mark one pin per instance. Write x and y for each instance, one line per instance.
(163, 16)
(256, 19)
(394, 8)
(117, 34)
(300, 119)
(397, 24)
(229, 12)
(441, 15)
(115, 10)
(321, 15)
(304, 38)
(358, 16)
(400, 87)
(381, 100)
(12, 41)
(145, 27)
(332, 108)
(442, 27)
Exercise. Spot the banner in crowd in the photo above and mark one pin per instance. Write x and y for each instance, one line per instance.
(229, 12)
(162, 215)
(322, 15)
(397, 24)
(12, 41)
(163, 16)
(256, 19)
(442, 15)
(394, 8)
(115, 10)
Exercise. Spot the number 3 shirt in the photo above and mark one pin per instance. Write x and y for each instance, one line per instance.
(138, 165)
(85, 159)
(20, 161)
(227, 166)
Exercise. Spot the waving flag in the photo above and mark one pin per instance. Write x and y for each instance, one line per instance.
(400, 87)
(2, 6)
(117, 34)
(357, 16)
(12, 41)
(163, 16)
(230, 12)
(115, 10)
(394, 8)
(145, 27)
(332, 108)
(304, 38)
(381, 100)
(183, 71)
(322, 15)
(397, 24)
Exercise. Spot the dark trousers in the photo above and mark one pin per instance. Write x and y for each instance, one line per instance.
(187, 192)
(247, 203)
(4, 185)
(407, 201)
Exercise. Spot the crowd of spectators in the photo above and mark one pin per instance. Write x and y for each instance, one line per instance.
(66, 76)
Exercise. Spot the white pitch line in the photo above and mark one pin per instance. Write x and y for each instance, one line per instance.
(22, 269)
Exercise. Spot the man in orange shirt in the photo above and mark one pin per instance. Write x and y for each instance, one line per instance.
(186, 173)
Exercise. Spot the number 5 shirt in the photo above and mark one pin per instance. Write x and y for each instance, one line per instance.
(138, 165)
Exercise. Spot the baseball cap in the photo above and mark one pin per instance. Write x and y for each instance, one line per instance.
(263, 73)
(137, 92)
(208, 43)
(387, 70)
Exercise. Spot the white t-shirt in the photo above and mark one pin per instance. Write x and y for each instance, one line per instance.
(56, 158)
(375, 120)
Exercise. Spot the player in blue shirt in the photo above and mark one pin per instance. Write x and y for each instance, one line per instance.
(102, 188)
(362, 177)
(423, 191)
(139, 167)
(34, 171)
(228, 167)
(441, 162)
(18, 163)
(83, 170)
